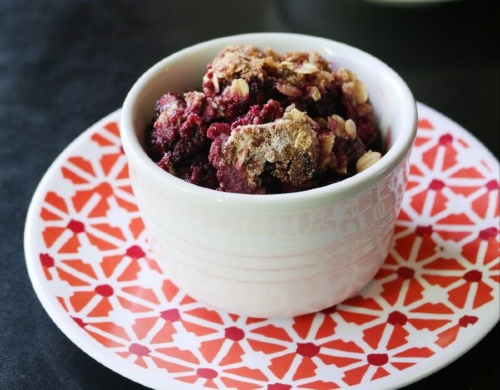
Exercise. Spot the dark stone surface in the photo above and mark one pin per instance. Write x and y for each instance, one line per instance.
(66, 64)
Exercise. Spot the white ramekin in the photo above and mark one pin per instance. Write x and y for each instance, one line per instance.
(271, 255)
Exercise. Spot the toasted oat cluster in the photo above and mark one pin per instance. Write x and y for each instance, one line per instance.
(265, 123)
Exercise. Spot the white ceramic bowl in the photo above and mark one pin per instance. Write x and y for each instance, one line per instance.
(271, 255)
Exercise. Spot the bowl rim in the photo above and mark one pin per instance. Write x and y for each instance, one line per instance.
(340, 190)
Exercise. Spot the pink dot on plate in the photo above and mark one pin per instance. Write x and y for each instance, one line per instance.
(136, 252)
(467, 320)
(424, 230)
(473, 276)
(139, 350)
(406, 273)
(377, 359)
(105, 290)
(76, 226)
(397, 318)
(171, 315)
(488, 233)
(278, 386)
(330, 310)
(234, 333)
(206, 373)
(446, 139)
(79, 322)
(46, 260)
(492, 185)
(307, 349)
(436, 185)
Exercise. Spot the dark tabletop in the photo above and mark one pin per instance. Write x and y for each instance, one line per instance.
(66, 64)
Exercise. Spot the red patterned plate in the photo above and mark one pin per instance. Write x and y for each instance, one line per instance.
(434, 298)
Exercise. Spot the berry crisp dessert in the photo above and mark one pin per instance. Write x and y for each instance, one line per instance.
(266, 123)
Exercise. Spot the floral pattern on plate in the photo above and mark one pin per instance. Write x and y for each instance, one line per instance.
(436, 295)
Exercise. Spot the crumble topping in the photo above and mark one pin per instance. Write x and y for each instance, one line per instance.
(266, 123)
(287, 149)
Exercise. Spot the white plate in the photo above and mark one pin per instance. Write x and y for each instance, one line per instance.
(435, 297)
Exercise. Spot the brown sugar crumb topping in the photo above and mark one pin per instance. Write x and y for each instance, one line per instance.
(286, 149)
